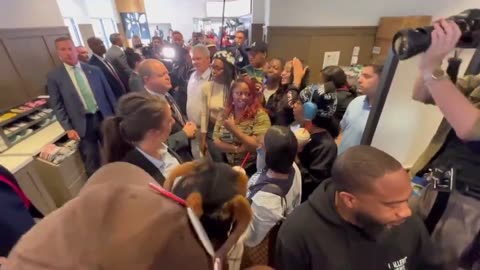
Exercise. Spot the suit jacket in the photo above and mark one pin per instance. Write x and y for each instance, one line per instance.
(136, 158)
(116, 85)
(66, 102)
(118, 58)
(178, 140)
(135, 83)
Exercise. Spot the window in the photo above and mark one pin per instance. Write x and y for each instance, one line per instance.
(73, 30)
(103, 28)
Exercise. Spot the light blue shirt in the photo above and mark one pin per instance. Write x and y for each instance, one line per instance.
(353, 123)
(165, 164)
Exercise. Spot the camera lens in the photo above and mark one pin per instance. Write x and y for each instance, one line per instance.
(410, 42)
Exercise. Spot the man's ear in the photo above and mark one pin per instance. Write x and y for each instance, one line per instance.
(347, 199)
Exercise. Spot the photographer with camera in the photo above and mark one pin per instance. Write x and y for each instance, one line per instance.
(452, 214)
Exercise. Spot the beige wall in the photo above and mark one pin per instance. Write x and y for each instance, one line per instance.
(29, 13)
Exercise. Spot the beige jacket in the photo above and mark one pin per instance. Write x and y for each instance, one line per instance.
(470, 86)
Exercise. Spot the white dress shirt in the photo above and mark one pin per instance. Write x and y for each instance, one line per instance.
(71, 73)
(166, 162)
(194, 95)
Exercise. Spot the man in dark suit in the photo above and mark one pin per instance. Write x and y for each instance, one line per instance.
(80, 97)
(116, 55)
(157, 82)
(113, 78)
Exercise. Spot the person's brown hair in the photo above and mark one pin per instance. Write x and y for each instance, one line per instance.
(356, 169)
(377, 68)
(64, 38)
(137, 113)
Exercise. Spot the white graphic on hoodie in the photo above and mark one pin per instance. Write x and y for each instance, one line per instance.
(398, 264)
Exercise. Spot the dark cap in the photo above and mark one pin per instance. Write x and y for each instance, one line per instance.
(258, 46)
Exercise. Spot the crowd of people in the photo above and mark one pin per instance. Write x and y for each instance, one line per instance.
(317, 199)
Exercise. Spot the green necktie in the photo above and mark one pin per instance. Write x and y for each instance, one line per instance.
(85, 91)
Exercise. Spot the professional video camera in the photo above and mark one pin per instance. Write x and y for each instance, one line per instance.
(410, 42)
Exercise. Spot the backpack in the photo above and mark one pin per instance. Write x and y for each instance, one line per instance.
(263, 253)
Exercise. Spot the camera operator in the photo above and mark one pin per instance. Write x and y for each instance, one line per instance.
(452, 217)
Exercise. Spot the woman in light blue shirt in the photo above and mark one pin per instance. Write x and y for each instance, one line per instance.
(137, 135)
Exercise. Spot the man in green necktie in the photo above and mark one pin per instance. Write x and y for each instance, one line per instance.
(81, 98)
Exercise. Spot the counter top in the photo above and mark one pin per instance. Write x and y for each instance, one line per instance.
(21, 154)
(15, 163)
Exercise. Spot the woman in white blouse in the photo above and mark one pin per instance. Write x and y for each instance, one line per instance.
(215, 94)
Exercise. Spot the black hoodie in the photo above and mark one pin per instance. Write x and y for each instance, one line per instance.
(315, 237)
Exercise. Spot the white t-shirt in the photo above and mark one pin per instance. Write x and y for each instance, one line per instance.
(268, 208)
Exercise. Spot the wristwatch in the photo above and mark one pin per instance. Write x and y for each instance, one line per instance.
(436, 75)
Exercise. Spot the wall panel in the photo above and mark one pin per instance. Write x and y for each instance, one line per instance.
(26, 56)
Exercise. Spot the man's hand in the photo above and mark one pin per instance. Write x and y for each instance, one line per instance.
(445, 37)
(190, 129)
(73, 135)
(298, 71)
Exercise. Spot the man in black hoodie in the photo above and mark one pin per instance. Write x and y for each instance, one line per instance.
(359, 219)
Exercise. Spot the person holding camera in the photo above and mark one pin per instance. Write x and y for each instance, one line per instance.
(453, 217)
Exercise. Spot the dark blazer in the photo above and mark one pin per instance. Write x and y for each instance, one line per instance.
(178, 140)
(66, 102)
(15, 218)
(135, 83)
(118, 58)
(136, 158)
(116, 85)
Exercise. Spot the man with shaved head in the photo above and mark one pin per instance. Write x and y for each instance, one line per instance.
(358, 219)
(157, 82)
(98, 49)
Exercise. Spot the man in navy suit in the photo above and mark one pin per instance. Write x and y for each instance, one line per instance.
(81, 98)
(111, 74)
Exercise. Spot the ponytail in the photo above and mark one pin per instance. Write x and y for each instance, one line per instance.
(114, 146)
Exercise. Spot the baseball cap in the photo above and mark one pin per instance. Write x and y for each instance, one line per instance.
(258, 46)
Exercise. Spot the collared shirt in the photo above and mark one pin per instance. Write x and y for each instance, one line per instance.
(194, 95)
(166, 162)
(154, 93)
(353, 123)
(121, 48)
(175, 110)
(71, 74)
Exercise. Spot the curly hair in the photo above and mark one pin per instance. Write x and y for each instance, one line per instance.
(253, 105)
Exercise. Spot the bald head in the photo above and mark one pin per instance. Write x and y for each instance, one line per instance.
(155, 76)
(357, 169)
(97, 46)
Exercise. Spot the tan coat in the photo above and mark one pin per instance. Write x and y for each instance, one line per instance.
(470, 86)
(116, 223)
